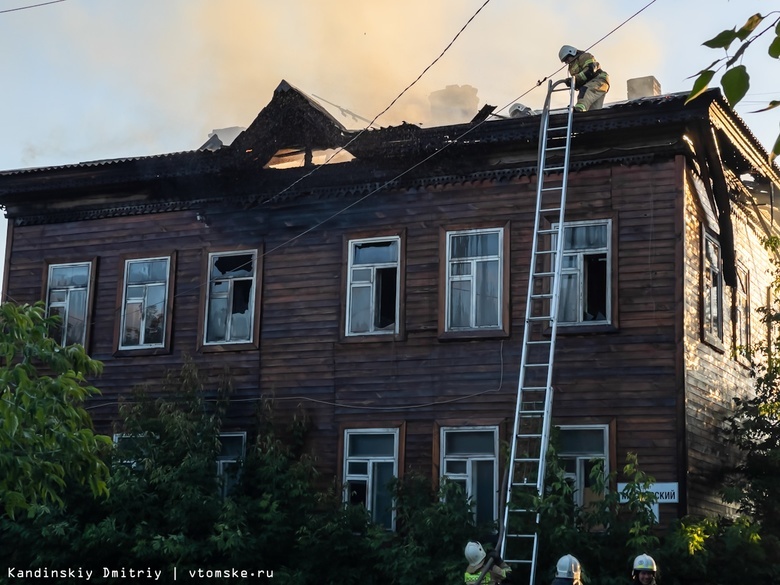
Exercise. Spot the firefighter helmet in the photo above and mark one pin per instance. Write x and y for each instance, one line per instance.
(474, 552)
(567, 51)
(644, 563)
(568, 567)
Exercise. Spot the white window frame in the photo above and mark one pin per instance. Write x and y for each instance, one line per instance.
(468, 477)
(67, 304)
(580, 477)
(229, 296)
(474, 261)
(225, 460)
(372, 283)
(143, 304)
(370, 461)
(579, 272)
(712, 290)
(741, 311)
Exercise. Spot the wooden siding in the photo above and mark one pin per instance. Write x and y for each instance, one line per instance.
(626, 375)
(713, 375)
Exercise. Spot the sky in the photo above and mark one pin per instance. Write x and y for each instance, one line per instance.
(100, 79)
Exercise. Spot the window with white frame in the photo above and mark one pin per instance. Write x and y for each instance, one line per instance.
(741, 311)
(145, 303)
(586, 273)
(712, 289)
(231, 456)
(131, 450)
(230, 312)
(370, 463)
(373, 287)
(469, 457)
(68, 297)
(474, 279)
(580, 449)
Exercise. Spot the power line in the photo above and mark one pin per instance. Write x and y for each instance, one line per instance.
(30, 6)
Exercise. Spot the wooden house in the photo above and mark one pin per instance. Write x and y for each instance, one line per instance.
(383, 292)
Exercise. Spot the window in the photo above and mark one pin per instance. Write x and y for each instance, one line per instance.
(373, 287)
(470, 458)
(230, 459)
(145, 303)
(132, 450)
(712, 287)
(370, 463)
(474, 281)
(741, 311)
(586, 273)
(68, 296)
(230, 313)
(580, 449)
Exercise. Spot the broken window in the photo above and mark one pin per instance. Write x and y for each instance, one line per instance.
(373, 287)
(145, 303)
(586, 273)
(712, 290)
(370, 463)
(474, 279)
(68, 297)
(231, 298)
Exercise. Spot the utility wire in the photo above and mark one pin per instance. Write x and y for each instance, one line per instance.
(405, 172)
(30, 6)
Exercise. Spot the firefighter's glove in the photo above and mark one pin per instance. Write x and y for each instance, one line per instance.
(567, 81)
(497, 560)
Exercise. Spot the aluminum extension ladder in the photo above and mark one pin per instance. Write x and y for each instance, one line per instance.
(519, 538)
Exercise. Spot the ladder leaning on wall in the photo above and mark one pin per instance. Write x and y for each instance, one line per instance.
(519, 538)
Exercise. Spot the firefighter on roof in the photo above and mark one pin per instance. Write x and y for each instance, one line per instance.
(591, 81)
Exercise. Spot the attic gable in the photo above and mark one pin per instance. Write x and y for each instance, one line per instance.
(291, 123)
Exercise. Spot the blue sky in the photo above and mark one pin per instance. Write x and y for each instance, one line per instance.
(96, 79)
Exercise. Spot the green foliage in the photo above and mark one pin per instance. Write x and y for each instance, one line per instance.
(754, 427)
(735, 81)
(46, 436)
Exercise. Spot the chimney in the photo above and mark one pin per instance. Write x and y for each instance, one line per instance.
(641, 87)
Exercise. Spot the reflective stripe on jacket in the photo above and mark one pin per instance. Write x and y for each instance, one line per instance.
(583, 68)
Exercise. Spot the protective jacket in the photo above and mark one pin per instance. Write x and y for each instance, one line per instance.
(591, 81)
(584, 68)
(496, 574)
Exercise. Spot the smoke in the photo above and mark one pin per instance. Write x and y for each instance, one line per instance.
(146, 77)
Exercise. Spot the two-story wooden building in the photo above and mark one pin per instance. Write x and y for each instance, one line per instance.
(385, 293)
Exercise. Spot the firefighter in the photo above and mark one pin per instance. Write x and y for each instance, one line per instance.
(590, 80)
(476, 558)
(568, 571)
(644, 569)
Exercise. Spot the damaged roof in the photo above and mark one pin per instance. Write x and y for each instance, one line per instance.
(629, 131)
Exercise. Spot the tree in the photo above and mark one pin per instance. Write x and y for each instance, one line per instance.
(46, 436)
(736, 81)
(754, 428)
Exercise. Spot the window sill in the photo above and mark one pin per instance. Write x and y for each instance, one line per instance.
(372, 338)
(474, 334)
(713, 342)
(226, 347)
(142, 351)
(594, 328)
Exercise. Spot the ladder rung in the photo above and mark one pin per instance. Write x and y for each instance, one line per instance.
(531, 413)
(549, 210)
(540, 318)
(541, 296)
(558, 168)
(543, 274)
(534, 388)
(529, 435)
(550, 231)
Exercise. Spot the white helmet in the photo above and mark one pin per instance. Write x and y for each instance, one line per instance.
(474, 552)
(568, 567)
(644, 563)
(567, 51)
